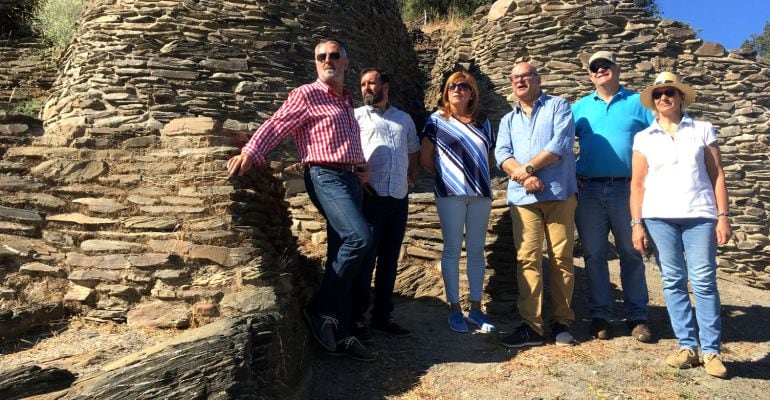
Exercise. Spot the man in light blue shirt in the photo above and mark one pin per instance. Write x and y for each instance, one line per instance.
(605, 124)
(391, 148)
(534, 148)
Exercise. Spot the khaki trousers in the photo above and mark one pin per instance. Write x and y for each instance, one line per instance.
(553, 221)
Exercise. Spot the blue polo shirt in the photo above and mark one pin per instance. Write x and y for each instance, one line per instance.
(606, 132)
(549, 128)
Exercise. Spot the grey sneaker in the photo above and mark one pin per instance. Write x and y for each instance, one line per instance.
(352, 348)
(561, 335)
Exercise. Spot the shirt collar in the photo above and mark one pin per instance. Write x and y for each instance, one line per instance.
(536, 104)
(620, 94)
(686, 121)
(328, 89)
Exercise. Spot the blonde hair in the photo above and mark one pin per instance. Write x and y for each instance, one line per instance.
(473, 104)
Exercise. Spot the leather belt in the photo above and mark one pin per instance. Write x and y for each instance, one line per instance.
(607, 179)
(337, 166)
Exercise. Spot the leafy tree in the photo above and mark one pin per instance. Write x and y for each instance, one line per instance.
(760, 43)
(650, 7)
(56, 21)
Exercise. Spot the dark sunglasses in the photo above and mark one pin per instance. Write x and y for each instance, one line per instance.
(600, 65)
(459, 86)
(321, 57)
(669, 92)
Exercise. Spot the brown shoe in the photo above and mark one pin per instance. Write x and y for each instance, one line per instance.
(600, 328)
(640, 331)
(714, 366)
(684, 358)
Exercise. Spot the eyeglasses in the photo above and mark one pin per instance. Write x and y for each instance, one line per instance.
(321, 57)
(669, 92)
(523, 76)
(595, 67)
(459, 86)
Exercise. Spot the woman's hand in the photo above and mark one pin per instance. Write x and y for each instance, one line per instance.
(639, 238)
(723, 230)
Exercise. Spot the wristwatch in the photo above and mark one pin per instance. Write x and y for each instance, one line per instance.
(529, 168)
(636, 222)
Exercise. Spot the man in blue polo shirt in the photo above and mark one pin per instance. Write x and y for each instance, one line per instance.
(605, 124)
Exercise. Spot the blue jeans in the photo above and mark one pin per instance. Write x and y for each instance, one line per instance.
(603, 207)
(387, 216)
(337, 195)
(468, 214)
(686, 249)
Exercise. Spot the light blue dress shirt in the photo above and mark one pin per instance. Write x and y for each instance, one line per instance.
(387, 139)
(549, 128)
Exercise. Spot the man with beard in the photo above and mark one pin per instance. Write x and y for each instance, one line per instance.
(606, 122)
(391, 148)
(534, 148)
(320, 117)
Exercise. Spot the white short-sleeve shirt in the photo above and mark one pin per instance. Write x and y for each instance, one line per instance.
(387, 139)
(677, 183)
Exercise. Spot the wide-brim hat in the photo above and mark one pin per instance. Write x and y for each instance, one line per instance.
(668, 79)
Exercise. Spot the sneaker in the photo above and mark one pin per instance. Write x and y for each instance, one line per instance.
(714, 366)
(640, 331)
(457, 321)
(477, 317)
(522, 336)
(561, 335)
(352, 348)
(390, 326)
(358, 329)
(600, 329)
(684, 358)
(322, 327)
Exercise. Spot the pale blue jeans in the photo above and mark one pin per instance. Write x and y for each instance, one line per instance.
(458, 215)
(686, 250)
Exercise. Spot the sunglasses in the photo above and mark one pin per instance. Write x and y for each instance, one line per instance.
(459, 86)
(321, 57)
(669, 92)
(595, 67)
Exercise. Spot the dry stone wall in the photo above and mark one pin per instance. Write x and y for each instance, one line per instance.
(137, 64)
(26, 73)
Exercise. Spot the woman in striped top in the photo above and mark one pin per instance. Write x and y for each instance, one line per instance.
(456, 142)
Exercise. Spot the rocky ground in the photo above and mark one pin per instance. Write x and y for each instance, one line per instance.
(435, 363)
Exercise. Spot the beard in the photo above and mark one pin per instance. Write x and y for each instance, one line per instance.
(371, 99)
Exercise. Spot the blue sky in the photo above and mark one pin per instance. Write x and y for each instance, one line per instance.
(728, 22)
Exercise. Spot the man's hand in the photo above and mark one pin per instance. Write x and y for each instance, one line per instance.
(533, 184)
(363, 172)
(520, 174)
(238, 165)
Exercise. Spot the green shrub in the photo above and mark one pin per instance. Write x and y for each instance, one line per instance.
(412, 10)
(29, 108)
(56, 20)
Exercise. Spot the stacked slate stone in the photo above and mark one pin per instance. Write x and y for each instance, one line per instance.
(138, 64)
(559, 36)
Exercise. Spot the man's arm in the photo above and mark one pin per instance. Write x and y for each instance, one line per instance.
(289, 117)
(413, 149)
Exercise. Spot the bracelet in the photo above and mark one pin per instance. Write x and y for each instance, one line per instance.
(636, 222)
(723, 214)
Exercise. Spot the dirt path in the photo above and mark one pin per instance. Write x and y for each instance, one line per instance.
(435, 363)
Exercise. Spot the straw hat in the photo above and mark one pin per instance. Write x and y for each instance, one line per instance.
(668, 79)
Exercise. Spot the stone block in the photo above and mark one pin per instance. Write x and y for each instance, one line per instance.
(160, 315)
(37, 269)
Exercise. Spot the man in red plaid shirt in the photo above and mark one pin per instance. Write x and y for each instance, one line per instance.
(320, 117)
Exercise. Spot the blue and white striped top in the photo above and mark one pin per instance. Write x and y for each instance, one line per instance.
(461, 156)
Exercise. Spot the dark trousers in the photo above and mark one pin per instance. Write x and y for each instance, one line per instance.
(338, 195)
(387, 216)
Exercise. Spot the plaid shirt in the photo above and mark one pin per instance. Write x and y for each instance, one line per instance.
(323, 124)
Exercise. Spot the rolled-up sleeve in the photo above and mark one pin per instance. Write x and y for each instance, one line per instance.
(503, 144)
(563, 138)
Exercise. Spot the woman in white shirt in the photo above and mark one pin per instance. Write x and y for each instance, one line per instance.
(679, 199)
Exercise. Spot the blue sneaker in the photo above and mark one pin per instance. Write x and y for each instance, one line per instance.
(457, 321)
(477, 317)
